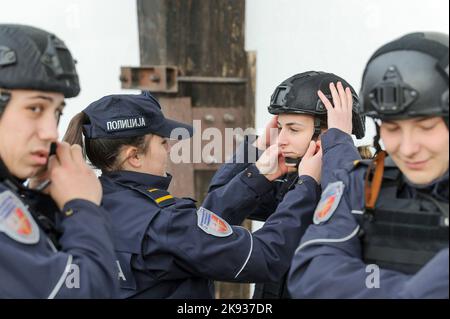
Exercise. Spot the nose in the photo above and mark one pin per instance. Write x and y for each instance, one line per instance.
(282, 138)
(48, 128)
(168, 147)
(409, 145)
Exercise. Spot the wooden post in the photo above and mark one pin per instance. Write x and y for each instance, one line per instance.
(202, 38)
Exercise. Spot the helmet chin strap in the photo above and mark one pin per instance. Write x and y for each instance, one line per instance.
(376, 138)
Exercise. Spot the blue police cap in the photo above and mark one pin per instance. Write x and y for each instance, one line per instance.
(128, 115)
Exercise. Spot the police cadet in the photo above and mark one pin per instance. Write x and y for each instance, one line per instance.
(166, 247)
(381, 228)
(57, 245)
(303, 109)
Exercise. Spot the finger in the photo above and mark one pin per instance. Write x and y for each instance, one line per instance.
(318, 155)
(311, 150)
(77, 154)
(325, 101)
(335, 95)
(53, 163)
(272, 136)
(63, 153)
(319, 149)
(282, 164)
(348, 92)
(274, 122)
(342, 95)
(272, 151)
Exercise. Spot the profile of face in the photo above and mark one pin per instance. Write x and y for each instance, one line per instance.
(418, 146)
(28, 126)
(294, 134)
(153, 161)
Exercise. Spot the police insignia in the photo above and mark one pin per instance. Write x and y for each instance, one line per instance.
(329, 200)
(212, 224)
(16, 221)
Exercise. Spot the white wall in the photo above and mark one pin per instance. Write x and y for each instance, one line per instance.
(102, 35)
(290, 36)
(338, 36)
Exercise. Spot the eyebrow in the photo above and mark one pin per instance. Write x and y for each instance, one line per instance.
(47, 98)
(416, 120)
(421, 119)
(292, 123)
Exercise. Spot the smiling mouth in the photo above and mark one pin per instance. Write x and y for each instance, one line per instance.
(416, 165)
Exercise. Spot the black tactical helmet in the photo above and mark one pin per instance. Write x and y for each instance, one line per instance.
(34, 59)
(408, 77)
(298, 95)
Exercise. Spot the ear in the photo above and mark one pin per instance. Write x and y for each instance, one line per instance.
(133, 158)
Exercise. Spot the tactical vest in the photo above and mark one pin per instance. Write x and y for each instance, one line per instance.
(401, 234)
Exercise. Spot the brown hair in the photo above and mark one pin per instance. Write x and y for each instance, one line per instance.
(103, 153)
(365, 152)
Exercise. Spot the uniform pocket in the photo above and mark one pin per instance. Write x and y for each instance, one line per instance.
(125, 273)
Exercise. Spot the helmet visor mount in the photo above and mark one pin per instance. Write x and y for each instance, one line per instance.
(392, 96)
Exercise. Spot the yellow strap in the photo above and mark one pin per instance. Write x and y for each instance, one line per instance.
(151, 190)
(161, 199)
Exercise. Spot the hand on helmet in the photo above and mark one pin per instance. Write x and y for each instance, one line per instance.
(339, 113)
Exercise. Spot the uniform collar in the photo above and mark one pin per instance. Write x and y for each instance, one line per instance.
(139, 179)
(438, 188)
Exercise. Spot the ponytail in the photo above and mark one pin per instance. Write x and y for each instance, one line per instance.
(365, 152)
(74, 133)
(103, 153)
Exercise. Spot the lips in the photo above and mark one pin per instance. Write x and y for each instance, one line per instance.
(417, 165)
(39, 157)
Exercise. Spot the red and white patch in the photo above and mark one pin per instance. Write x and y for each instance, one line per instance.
(16, 221)
(329, 201)
(212, 224)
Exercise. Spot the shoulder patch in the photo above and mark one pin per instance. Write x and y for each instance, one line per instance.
(212, 224)
(329, 201)
(16, 221)
(161, 197)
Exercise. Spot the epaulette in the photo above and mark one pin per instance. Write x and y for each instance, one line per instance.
(161, 197)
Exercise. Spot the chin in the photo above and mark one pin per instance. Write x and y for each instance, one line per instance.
(23, 174)
(420, 178)
(30, 172)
